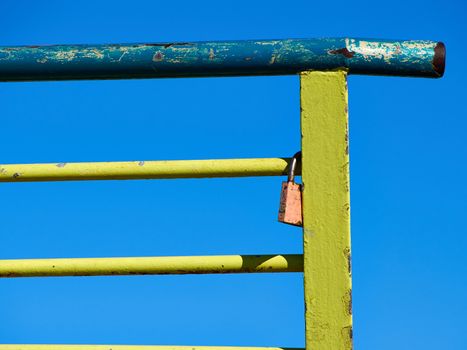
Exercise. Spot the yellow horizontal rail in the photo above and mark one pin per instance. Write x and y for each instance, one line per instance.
(129, 347)
(176, 265)
(145, 170)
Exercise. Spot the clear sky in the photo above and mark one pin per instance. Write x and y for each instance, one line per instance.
(408, 172)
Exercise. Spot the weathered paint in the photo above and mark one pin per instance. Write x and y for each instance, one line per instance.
(229, 58)
(290, 203)
(130, 347)
(173, 265)
(145, 170)
(326, 211)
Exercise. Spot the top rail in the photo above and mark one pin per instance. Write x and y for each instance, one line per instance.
(228, 58)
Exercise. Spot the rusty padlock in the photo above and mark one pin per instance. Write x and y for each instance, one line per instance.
(290, 207)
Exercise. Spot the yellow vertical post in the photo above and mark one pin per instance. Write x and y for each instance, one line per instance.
(326, 210)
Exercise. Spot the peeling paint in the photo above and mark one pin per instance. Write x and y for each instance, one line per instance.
(230, 58)
(158, 57)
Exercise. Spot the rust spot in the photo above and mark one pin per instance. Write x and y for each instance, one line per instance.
(211, 54)
(349, 259)
(347, 334)
(344, 52)
(439, 59)
(158, 57)
(346, 138)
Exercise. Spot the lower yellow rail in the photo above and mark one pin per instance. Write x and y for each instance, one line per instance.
(129, 347)
(176, 265)
(145, 170)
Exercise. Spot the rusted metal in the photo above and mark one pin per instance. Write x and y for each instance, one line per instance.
(216, 58)
(439, 59)
(290, 205)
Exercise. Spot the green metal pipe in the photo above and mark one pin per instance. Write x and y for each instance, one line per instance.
(216, 58)
(168, 265)
(145, 170)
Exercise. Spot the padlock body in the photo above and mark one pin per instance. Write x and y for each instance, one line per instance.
(290, 207)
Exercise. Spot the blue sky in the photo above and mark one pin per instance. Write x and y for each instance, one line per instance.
(408, 166)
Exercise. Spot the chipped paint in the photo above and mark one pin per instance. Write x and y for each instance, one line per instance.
(230, 58)
(344, 52)
(158, 57)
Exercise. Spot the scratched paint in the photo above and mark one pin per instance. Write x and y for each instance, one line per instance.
(229, 58)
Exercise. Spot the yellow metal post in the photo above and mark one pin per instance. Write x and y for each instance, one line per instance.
(326, 210)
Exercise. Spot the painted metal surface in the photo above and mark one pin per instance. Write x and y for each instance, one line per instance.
(168, 265)
(145, 170)
(228, 58)
(130, 347)
(326, 211)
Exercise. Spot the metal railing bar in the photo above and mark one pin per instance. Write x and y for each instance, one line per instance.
(173, 265)
(217, 58)
(130, 347)
(172, 169)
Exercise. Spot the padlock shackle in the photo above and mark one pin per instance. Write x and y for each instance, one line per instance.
(296, 157)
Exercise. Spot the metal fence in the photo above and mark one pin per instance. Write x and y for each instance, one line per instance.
(323, 66)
